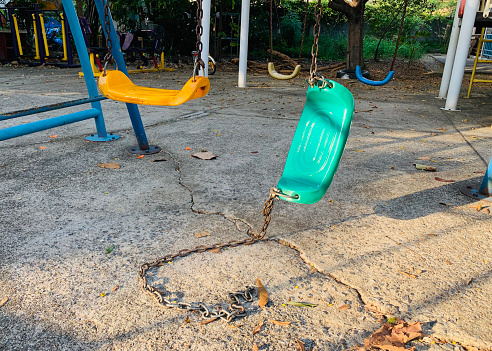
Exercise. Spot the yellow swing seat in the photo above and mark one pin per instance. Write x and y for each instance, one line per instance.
(276, 75)
(115, 85)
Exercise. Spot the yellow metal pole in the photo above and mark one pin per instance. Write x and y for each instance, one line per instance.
(479, 48)
(161, 64)
(36, 42)
(41, 21)
(64, 37)
(17, 35)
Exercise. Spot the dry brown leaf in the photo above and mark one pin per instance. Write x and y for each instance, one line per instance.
(300, 345)
(255, 347)
(444, 180)
(217, 250)
(4, 301)
(204, 155)
(478, 207)
(425, 168)
(279, 322)
(257, 329)
(201, 234)
(426, 158)
(187, 320)
(110, 165)
(262, 294)
(208, 321)
(344, 307)
(393, 337)
(115, 288)
(487, 211)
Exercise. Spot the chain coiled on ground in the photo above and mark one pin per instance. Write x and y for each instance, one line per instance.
(236, 309)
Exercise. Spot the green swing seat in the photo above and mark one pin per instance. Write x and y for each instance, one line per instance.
(318, 143)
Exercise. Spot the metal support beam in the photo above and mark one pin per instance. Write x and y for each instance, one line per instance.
(243, 45)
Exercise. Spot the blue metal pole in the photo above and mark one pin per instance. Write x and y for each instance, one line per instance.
(486, 186)
(78, 39)
(34, 110)
(24, 129)
(138, 127)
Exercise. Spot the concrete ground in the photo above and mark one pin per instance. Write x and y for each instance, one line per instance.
(387, 240)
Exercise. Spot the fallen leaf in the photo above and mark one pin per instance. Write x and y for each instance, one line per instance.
(4, 301)
(217, 250)
(116, 287)
(301, 304)
(110, 249)
(255, 347)
(201, 234)
(393, 337)
(208, 321)
(53, 136)
(257, 329)
(344, 307)
(279, 322)
(187, 148)
(448, 262)
(109, 165)
(425, 168)
(300, 345)
(444, 180)
(141, 156)
(424, 158)
(358, 150)
(478, 207)
(262, 294)
(42, 147)
(487, 211)
(187, 320)
(207, 155)
(103, 294)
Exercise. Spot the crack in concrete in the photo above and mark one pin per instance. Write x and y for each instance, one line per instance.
(236, 221)
(303, 257)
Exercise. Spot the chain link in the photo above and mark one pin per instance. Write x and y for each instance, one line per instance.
(235, 309)
(199, 33)
(313, 75)
(107, 29)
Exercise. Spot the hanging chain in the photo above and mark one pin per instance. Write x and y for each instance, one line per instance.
(313, 75)
(199, 33)
(107, 29)
(236, 309)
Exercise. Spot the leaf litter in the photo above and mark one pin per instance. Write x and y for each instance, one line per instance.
(262, 294)
(394, 336)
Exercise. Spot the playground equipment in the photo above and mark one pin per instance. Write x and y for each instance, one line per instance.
(313, 158)
(320, 136)
(46, 32)
(132, 45)
(94, 99)
(271, 67)
(484, 55)
(117, 86)
(358, 69)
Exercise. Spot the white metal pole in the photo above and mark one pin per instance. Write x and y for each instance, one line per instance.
(453, 42)
(243, 45)
(206, 5)
(462, 48)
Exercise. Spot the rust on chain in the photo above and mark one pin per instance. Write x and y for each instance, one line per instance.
(199, 33)
(313, 76)
(236, 309)
(107, 29)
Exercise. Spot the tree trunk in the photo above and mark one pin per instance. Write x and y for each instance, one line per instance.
(353, 11)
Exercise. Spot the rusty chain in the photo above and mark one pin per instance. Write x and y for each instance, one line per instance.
(236, 309)
(313, 75)
(199, 33)
(107, 29)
